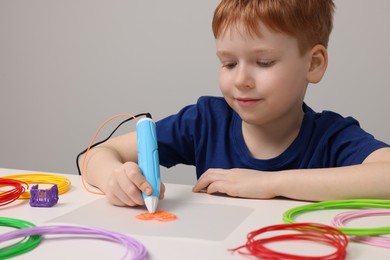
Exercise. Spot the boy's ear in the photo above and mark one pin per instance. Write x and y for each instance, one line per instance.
(318, 63)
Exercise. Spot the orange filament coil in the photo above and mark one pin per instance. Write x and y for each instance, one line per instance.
(62, 182)
(159, 215)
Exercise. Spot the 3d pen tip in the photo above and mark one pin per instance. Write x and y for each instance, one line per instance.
(151, 203)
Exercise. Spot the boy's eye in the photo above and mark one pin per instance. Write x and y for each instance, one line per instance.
(265, 63)
(229, 65)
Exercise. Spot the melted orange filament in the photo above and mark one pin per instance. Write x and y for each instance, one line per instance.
(159, 215)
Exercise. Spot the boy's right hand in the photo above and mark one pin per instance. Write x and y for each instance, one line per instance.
(125, 185)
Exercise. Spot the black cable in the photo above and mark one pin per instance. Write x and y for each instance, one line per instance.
(100, 142)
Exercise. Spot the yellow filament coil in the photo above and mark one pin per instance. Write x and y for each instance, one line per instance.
(63, 183)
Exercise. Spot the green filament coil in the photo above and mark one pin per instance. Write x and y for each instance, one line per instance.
(23, 246)
(289, 215)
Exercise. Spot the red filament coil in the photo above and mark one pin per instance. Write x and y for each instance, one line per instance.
(13, 194)
(313, 232)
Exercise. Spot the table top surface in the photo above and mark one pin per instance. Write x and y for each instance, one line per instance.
(207, 226)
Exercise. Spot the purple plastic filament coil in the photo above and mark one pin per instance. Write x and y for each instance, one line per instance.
(43, 197)
(138, 250)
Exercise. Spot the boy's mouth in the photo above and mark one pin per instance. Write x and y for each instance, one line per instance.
(247, 101)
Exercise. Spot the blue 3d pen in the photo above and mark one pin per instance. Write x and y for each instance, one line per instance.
(148, 160)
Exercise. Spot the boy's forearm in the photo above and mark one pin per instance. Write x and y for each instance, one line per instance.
(104, 158)
(369, 180)
(99, 165)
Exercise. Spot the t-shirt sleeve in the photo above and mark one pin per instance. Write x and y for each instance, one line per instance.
(190, 136)
(175, 138)
(350, 144)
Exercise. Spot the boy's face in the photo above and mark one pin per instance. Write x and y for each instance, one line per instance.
(262, 78)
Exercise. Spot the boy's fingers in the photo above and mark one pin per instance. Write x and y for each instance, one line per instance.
(134, 174)
(202, 184)
(162, 191)
(208, 178)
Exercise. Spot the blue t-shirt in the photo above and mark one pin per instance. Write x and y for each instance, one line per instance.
(208, 135)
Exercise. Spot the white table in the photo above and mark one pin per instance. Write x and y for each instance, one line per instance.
(207, 225)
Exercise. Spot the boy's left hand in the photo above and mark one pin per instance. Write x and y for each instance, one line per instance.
(242, 183)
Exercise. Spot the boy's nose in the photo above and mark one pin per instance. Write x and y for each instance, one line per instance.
(244, 79)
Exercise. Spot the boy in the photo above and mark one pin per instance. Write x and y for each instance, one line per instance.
(261, 140)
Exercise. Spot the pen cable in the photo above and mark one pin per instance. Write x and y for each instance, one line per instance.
(82, 170)
(342, 218)
(289, 215)
(313, 232)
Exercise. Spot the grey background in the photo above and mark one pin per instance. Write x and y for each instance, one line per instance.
(67, 66)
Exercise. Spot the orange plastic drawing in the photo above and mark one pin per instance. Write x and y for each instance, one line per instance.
(159, 215)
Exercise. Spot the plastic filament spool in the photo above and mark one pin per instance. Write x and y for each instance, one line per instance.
(138, 250)
(289, 215)
(62, 182)
(13, 194)
(313, 232)
(29, 243)
(341, 219)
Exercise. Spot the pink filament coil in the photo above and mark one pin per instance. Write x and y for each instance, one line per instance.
(342, 218)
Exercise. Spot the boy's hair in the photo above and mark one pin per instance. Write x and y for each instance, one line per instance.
(309, 21)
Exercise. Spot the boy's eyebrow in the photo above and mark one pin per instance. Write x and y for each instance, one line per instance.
(223, 53)
(259, 50)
